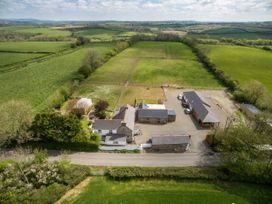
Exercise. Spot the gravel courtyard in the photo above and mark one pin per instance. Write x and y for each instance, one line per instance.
(221, 105)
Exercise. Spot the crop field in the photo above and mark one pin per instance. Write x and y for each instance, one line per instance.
(242, 63)
(38, 81)
(101, 190)
(155, 63)
(11, 58)
(34, 46)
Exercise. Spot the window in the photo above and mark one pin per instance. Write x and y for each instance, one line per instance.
(110, 131)
(99, 131)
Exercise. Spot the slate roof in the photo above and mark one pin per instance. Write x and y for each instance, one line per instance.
(170, 140)
(203, 111)
(106, 124)
(153, 113)
(126, 114)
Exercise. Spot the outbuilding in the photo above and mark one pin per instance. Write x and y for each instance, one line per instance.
(170, 143)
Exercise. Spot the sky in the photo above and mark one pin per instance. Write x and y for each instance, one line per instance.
(138, 10)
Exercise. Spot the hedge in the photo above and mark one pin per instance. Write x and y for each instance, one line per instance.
(124, 173)
(73, 146)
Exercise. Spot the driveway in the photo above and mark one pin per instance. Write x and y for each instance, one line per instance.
(144, 160)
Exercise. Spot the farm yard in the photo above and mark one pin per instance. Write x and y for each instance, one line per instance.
(242, 63)
(37, 82)
(102, 190)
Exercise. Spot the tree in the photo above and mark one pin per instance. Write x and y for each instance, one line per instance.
(101, 106)
(15, 120)
(56, 127)
(82, 41)
(242, 153)
(90, 62)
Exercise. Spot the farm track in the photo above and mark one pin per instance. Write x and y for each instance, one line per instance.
(25, 63)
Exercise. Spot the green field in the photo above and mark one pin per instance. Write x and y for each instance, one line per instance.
(101, 190)
(38, 81)
(242, 63)
(237, 33)
(155, 63)
(11, 58)
(34, 46)
(98, 33)
(46, 31)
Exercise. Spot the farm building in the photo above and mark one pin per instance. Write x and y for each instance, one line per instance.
(121, 126)
(82, 106)
(200, 110)
(250, 110)
(176, 143)
(155, 113)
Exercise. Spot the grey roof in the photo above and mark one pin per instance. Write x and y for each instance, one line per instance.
(171, 112)
(170, 140)
(153, 113)
(116, 138)
(106, 124)
(126, 114)
(202, 109)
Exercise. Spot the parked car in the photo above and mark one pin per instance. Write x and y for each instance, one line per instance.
(180, 97)
(188, 110)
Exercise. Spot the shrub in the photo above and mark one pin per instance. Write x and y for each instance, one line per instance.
(53, 126)
(101, 114)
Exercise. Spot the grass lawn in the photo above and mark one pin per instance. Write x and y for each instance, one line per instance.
(34, 46)
(101, 190)
(11, 58)
(155, 63)
(242, 63)
(36, 82)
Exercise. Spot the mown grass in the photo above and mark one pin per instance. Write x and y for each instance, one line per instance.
(34, 46)
(36, 82)
(155, 63)
(11, 58)
(242, 63)
(147, 94)
(102, 190)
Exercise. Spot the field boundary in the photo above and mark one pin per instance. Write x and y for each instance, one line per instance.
(74, 191)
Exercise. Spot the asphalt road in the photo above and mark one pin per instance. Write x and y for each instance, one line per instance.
(144, 160)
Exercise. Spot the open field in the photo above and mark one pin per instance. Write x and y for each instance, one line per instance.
(34, 46)
(46, 31)
(237, 33)
(155, 63)
(242, 63)
(36, 82)
(101, 190)
(98, 33)
(11, 58)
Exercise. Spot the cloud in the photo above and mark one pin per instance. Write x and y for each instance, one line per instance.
(211, 10)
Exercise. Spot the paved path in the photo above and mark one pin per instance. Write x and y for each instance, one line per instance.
(144, 159)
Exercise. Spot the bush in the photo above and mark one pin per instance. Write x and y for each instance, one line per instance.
(101, 114)
(56, 127)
